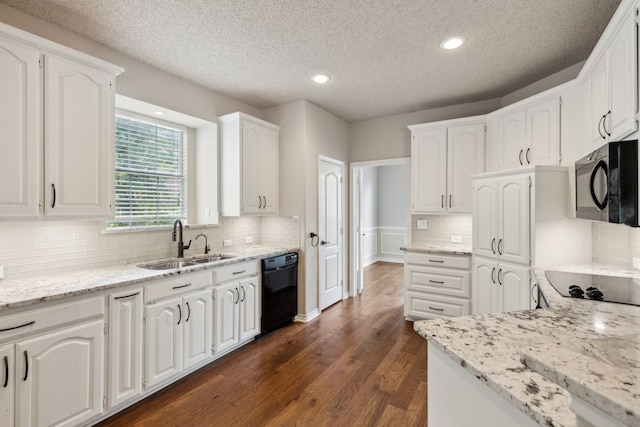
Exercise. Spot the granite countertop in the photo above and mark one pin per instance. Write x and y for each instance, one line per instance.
(23, 292)
(493, 347)
(452, 249)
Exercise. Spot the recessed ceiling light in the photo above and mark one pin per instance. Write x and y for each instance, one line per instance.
(453, 42)
(320, 78)
(159, 113)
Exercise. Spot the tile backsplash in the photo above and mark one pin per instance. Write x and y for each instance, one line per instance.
(440, 228)
(34, 248)
(615, 244)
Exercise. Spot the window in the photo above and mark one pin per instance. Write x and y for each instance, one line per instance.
(150, 172)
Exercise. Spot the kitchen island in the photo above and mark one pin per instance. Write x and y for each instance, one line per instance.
(484, 355)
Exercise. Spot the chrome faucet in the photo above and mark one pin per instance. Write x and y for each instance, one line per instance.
(206, 244)
(181, 245)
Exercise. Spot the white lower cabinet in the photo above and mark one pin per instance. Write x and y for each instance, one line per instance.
(500, 286)
(436, 285)
(237, 305)
(178, 326)
(125, 346)
(52, 364)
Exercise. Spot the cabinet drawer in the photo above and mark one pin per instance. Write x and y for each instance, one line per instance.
(235, 271)
(45, 318)
(420, 305)
(438, 260)
(442, 281)
(177, 285)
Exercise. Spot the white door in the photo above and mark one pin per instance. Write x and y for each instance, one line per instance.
(164, 340)
(465, 157)
(249, 307)
(330, 229)
(226, 315)
(125, 346)
(513, 219)
(359, 234)
(251, 197)
(543, 133)
(428, 171)
(484, 292)
(485, 217)
(514, 281)
(7, 385)
(61, 376)
(196, 327)
(269, 184)
(513, 137)
(21, 124)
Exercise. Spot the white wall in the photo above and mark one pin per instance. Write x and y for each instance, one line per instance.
(370, 197)
(392, 195)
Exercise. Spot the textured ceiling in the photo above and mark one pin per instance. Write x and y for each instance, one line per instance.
(383, 55)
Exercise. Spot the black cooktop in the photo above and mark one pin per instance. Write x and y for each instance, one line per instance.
(623, 290)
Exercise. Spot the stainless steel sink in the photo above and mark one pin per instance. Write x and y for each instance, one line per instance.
(168, 265)
(212, 258)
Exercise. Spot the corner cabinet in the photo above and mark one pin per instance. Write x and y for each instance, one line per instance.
(250, 165)
(65, 99)
(443, 156)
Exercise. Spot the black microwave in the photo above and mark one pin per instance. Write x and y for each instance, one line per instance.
(607, 184)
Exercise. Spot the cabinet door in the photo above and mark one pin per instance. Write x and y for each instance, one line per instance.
(428, 171)
(125, 346)
(515, 289)
(485, 293)
(513, 219)
(485, 217)
(7, 385)
(164, 340)
(251, 142)
(543, 133)
(513, 138)
(269, 180)
(227, 316)
(465, 157)
(79, 139)
(197, 327)
(599, 97)
(20, 121)
(623, 82)
(61, 376)
(249, 307)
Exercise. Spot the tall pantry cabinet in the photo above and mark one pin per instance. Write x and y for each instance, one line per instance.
(57, 116)
(520, 219)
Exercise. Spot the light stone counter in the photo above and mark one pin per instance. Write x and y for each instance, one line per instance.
(452, 249)
(23, 292)
(491, 348)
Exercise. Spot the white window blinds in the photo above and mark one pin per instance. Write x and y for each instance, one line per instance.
(150, 173)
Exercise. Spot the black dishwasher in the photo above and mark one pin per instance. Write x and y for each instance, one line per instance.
(279, 291)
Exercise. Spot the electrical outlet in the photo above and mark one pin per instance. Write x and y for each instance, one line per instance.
(248, 239)
(227, 242)
(456, 239)
(422, 224)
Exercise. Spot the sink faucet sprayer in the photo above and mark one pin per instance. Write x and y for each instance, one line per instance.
(181, 245)
(206, 244)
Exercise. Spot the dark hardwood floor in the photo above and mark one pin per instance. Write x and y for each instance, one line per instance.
(359, 364)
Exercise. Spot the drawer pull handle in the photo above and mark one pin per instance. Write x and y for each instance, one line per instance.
(180, 312)
(53, 196)
(181, 286)
(6, 371)
(33, 322)
(493, 245)
(244, 293)
(238, 295)
(436, 281)
(436, 260)
(500, 247)
(436, 309)
(239, 272)
(128, 296)
(188, 312)
(26, 364)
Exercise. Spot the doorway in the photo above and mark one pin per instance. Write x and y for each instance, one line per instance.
(330, 230)
(380, 212)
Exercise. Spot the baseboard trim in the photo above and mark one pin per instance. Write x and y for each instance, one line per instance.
(304, 318)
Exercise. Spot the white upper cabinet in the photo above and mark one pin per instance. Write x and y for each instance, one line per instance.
(611, 86)
(58, 138)
(530, 135)
(443, 157)
(21, 124)
(250, 171)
